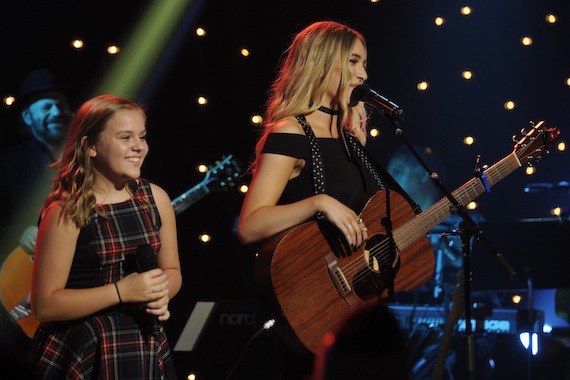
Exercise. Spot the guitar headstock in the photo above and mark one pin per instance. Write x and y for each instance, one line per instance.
(223, 174)
(535, 143)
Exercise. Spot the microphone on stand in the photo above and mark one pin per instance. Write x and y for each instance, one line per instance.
(363, 93)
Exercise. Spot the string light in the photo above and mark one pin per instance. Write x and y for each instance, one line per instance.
(202, 101)
(466, 10)
(526, 41)
(468, 140)
(256, 120)
(467, 74)
(77, 44)
(422, 86)
(201, 32)
(113, 49)
(9, 100)
(509, 105)
(439, 21)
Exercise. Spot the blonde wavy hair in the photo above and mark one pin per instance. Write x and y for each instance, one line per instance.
(72, 186)
(304, 74)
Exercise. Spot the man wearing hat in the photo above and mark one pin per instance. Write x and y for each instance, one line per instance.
(25, 180)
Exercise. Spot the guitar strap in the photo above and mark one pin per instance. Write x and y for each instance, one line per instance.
(382, 177)
(319, 185)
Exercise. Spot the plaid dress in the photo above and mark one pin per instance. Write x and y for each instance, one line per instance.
(122, 342)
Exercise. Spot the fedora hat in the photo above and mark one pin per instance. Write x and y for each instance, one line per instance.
(37, 81)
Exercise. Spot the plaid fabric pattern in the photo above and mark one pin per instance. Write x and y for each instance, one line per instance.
(111, 344)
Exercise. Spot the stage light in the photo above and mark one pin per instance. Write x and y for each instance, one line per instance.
(472, 205)
(201, 32)
(422, 86)
(524, 338)
(201, 100)
(556, 211)
(374, 132)
(561, 146)
(467, 74)
(551, 19)
(529, 324)
(516, 298)
(245, 52)
(191, 376)
(530, 170)
(567, 81)
(145, 46)
(439, 21)
(243, 189)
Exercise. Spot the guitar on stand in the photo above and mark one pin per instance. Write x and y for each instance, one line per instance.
(314, 279)
(16, 272)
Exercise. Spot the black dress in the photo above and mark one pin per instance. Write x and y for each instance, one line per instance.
(346, 180)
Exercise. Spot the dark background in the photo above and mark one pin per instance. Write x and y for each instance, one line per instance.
(404, 46)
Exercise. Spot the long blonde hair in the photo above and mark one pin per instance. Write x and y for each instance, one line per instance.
(73, 183)
(304, 75)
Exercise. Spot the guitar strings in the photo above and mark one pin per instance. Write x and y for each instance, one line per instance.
(381, 251)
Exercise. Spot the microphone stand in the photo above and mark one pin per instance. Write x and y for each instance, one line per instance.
(468, 230)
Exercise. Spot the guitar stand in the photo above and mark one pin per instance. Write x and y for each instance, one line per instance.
(469, 229)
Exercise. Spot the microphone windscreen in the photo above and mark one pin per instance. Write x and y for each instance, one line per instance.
(359, 93)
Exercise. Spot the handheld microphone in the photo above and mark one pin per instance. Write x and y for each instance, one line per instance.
(146, 260)
(383, 105)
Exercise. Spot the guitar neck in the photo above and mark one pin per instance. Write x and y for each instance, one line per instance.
(424, 222)
(190, 197)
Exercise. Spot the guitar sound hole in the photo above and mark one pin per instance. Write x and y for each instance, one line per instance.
(377, 273)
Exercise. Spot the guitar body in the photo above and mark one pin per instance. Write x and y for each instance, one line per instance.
(15, 286)
(306, 263)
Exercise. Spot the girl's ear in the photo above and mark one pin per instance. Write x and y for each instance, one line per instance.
(91, 149)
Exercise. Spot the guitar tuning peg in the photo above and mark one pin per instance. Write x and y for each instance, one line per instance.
(523, 131)
(532, 123)
(514, 138)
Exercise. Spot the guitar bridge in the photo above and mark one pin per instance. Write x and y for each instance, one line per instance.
(341, 284)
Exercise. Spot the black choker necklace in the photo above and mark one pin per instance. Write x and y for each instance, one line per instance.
(328, 110)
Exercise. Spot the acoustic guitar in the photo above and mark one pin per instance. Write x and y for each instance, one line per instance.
(16, 272)
(312, 276)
